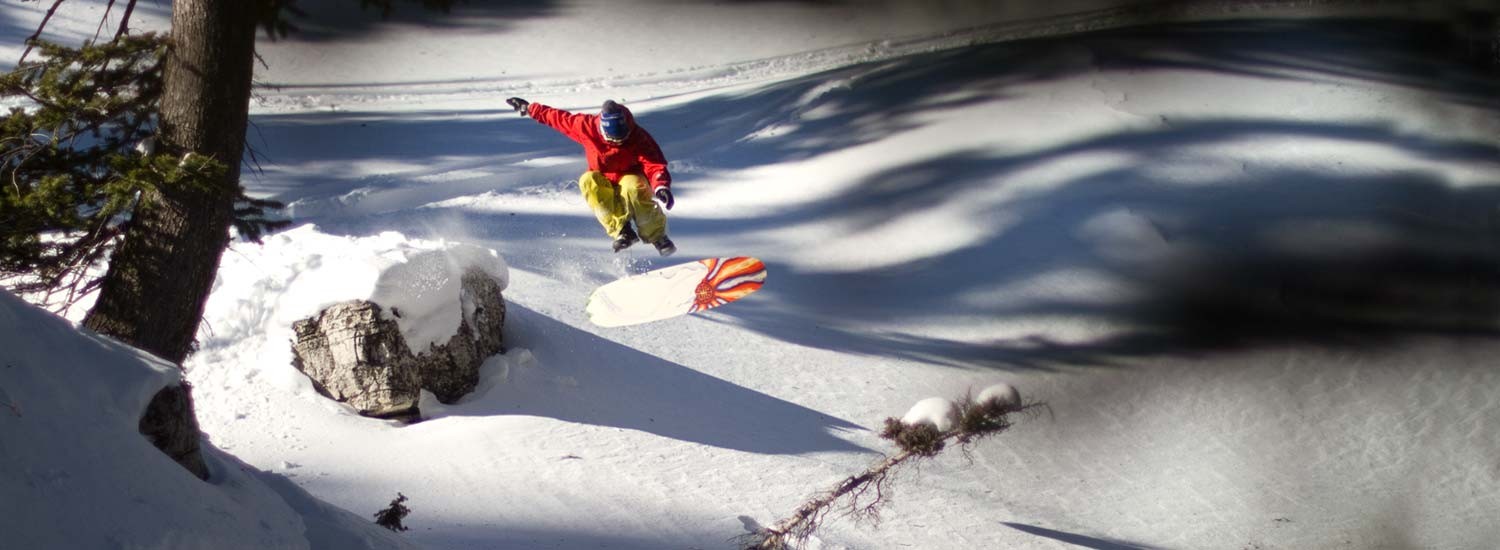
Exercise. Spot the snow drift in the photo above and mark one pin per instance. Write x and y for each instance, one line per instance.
(76, 473)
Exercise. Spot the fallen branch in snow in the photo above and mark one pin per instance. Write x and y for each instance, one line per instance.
(922, 433)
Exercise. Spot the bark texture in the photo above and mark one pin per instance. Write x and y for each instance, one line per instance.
(153, 295)
(159, 278)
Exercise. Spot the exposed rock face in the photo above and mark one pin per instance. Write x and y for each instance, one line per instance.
(451, 370)
(169, 424)
(354, 354)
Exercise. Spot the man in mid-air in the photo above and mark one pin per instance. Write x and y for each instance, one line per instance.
(626, 171)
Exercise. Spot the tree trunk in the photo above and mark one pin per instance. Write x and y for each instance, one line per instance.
(159, 278)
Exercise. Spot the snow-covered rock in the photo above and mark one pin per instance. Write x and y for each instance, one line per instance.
(357, 354)
(300, 272)
(428, 292)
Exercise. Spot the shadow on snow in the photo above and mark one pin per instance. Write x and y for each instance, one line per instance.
(1420, 255)
(1215, 265)
(586, 378)
(863, 103)
(333, 20)
(1076, 539)
(1268, 256)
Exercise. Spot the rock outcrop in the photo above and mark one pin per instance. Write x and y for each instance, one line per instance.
(354, 352)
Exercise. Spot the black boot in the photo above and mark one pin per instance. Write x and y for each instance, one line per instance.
(627, 237)
(665, 246)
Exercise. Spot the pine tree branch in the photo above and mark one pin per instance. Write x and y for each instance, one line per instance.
(31, 41)
(69, 162)
(125, 19)
(103, 19)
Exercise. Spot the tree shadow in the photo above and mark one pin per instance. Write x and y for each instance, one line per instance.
(11, 27)
(1076, 539)
(1210, 265)
(1417, 54)
(1420, 258)
(585, 378)
(1265, 256)
(859, 104)
(332, 20)
(316, 162)
(847, 107)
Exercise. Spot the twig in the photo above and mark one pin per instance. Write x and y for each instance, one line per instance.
(810, 514)
(976, 421)
(125, 19)
(102, 19)
(31, 42)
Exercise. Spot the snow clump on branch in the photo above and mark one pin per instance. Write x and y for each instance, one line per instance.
(1002, 395)
(939, 412)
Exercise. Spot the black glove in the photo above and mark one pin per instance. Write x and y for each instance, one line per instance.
(520, 105)
(664, 197)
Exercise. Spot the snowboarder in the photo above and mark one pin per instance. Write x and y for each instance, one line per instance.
(626, 171)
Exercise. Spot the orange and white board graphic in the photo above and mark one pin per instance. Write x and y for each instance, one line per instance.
(676, 290)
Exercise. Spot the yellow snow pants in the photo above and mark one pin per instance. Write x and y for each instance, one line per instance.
(618, 205)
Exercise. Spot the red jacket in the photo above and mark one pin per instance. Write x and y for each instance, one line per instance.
(638, 154)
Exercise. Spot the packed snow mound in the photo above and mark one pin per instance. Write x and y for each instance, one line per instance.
(295, 274)
(422, 290)
(934, 410)
(69, 406)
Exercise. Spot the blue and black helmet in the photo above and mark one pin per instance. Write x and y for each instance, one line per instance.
(614, 123)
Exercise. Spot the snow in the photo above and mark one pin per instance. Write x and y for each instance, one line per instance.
(1246, 260)
(77, 473)
(293, 275)
(937, 411)
(1001, 394)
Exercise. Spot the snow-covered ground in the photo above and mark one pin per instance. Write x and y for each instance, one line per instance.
(1249, 261)
(76, 473)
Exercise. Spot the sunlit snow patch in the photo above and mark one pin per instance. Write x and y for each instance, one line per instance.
(263, 289)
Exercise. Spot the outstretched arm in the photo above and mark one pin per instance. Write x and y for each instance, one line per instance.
(573, 125)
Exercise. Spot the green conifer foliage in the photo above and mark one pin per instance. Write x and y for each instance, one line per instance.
(75, 155)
